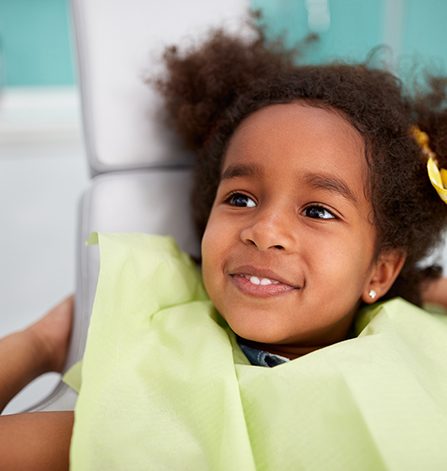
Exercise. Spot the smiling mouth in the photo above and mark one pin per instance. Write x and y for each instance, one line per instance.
(261, 283)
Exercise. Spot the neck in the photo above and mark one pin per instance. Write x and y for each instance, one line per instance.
(296, 350)
(288, 351)
(329, 335)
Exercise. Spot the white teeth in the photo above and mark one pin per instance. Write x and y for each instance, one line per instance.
(255, 280)
(262, 281)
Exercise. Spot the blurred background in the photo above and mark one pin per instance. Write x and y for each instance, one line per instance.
(43, 167)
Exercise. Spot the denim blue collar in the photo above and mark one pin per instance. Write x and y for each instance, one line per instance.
(260, 357)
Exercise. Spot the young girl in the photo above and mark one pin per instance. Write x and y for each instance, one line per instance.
(313, 200)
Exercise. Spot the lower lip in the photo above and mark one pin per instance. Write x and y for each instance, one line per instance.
(261, 291)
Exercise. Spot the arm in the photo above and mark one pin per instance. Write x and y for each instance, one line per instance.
(40, 440)
(35, 441)
(20, 362)
(39, 348)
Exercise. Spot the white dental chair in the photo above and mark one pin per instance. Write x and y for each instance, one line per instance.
(140, 174)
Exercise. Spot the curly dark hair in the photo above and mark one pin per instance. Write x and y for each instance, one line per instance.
(210, 88)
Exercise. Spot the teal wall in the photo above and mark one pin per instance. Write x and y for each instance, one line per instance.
(35, 43)
(355, 26)
(413, 29)
(425, 32)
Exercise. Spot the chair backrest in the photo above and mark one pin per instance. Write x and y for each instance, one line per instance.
(141, 175)
(141, 178)
(119, 45)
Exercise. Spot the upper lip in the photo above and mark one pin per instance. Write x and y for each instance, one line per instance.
(261, 273)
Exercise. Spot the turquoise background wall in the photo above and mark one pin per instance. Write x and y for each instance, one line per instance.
(352, 26)
(413, 29)
(425, 30)
(36, 42)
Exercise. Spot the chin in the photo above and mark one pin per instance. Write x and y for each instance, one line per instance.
(260, 335)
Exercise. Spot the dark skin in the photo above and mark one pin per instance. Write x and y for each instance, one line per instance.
(41, 440)
(435, 292)
(35, 441)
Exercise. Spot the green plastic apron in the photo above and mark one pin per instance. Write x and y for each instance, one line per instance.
(165, 386)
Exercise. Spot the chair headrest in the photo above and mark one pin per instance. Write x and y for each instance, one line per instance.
(117, 50)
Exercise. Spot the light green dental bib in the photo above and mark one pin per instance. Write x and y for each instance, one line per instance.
(165, 386)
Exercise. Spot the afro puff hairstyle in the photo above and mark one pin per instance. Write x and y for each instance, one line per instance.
(212, 87)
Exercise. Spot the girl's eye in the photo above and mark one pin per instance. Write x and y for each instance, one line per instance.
(318, 212)
(240, 200)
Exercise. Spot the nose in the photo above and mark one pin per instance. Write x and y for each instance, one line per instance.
(269, 229)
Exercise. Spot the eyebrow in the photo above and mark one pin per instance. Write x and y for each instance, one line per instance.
(330, 183)
(242, 170)
(321, 181)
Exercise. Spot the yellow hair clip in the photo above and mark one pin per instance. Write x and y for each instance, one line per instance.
(437, 177)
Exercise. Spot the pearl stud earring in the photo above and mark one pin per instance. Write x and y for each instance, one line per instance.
(372, 294)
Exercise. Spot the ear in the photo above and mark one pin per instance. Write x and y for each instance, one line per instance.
(385, 270)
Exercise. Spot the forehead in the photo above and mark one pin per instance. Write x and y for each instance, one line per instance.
(300, 138)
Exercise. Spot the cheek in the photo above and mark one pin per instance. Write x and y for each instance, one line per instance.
(344, 264)
(210, 240)
(217, 234)
(207, 253)
(212, 253)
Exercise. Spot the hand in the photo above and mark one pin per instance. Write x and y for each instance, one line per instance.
(51, 335)
(435, 292)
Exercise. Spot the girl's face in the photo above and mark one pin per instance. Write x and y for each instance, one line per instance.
(288, 251)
